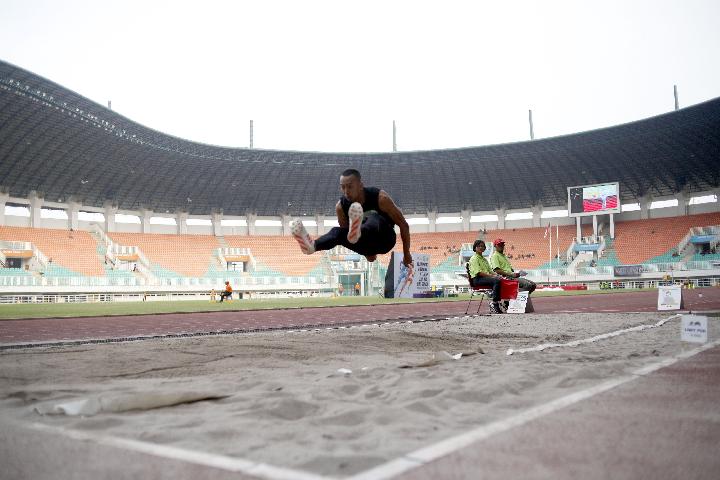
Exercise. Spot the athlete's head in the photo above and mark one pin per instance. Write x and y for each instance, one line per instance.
(351, 184)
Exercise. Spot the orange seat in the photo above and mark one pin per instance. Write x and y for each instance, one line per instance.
(186, 255)
(75, 251)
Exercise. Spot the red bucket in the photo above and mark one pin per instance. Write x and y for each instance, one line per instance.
(508, 289)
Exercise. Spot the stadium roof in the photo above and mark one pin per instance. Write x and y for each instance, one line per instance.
(65, 146)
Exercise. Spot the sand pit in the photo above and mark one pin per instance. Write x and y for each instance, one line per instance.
(331, 402)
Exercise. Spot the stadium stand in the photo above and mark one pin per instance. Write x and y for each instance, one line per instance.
(50, 129)
(173, 255)
(72, 253)
(276, 255)
(655, 240)
(526, 247)
(58, 148)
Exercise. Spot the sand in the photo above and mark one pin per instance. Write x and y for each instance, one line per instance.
(332, 402)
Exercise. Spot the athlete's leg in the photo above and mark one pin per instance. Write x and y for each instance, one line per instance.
(336, 236)
(355, 219)
(377, 237)
(300, 234)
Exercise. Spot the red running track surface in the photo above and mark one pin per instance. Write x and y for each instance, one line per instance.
(14, 332)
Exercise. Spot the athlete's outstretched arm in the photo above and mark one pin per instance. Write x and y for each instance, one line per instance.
(387, 205)
(342, 218)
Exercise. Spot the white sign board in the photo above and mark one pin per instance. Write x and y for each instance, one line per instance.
(519, 304)
(407, 284)
(694, 329)
(669, 298)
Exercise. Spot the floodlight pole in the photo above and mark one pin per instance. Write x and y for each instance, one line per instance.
(394, 137)
(251, 134)
(677, 103)
(532, 134)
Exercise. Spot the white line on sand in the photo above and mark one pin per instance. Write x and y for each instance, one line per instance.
(575, 343)
(445, 447)
(221, 462)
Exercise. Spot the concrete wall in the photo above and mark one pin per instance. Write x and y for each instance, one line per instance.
(15, 221)
(200, 229)
(128, 227)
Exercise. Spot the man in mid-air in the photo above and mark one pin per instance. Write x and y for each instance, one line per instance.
(367, 217)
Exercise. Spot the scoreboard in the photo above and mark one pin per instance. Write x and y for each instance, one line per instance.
(597, 199)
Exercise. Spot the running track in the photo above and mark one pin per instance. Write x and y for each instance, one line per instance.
(58, 330)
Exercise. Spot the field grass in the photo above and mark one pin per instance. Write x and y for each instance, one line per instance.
(50, 310)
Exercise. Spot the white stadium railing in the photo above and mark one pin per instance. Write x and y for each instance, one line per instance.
(200, 282)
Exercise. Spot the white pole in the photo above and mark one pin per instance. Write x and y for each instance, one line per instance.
(549, 230)
(557, 240)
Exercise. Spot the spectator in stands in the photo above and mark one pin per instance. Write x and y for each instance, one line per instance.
(367, 218)
(501, 266)
(227, 293)
(483, 276)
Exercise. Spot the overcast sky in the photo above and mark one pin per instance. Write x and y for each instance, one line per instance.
(333, 75)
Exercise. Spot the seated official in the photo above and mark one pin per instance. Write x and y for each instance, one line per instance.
(501, 265)
(227, 293)
(483, 276)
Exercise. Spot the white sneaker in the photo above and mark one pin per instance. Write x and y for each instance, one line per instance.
(301, 235)
(355, 215)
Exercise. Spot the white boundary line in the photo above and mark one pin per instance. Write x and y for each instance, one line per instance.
(575, 343)
(221, 462)
(428, 454)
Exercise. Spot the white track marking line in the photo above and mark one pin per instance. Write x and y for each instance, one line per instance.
(433, 452)
(575, 343)
(221, 462)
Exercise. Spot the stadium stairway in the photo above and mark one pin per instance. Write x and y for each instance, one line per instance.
(609, 255)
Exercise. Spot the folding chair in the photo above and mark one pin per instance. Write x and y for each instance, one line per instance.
(484, 292)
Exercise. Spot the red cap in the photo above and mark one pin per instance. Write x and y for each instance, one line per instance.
(498, 241)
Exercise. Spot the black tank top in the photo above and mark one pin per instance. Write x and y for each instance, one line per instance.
(370, 205)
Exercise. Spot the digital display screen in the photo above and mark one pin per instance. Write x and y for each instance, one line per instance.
(594, 199)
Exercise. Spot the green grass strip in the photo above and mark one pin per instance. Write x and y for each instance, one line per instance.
(51, 310)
